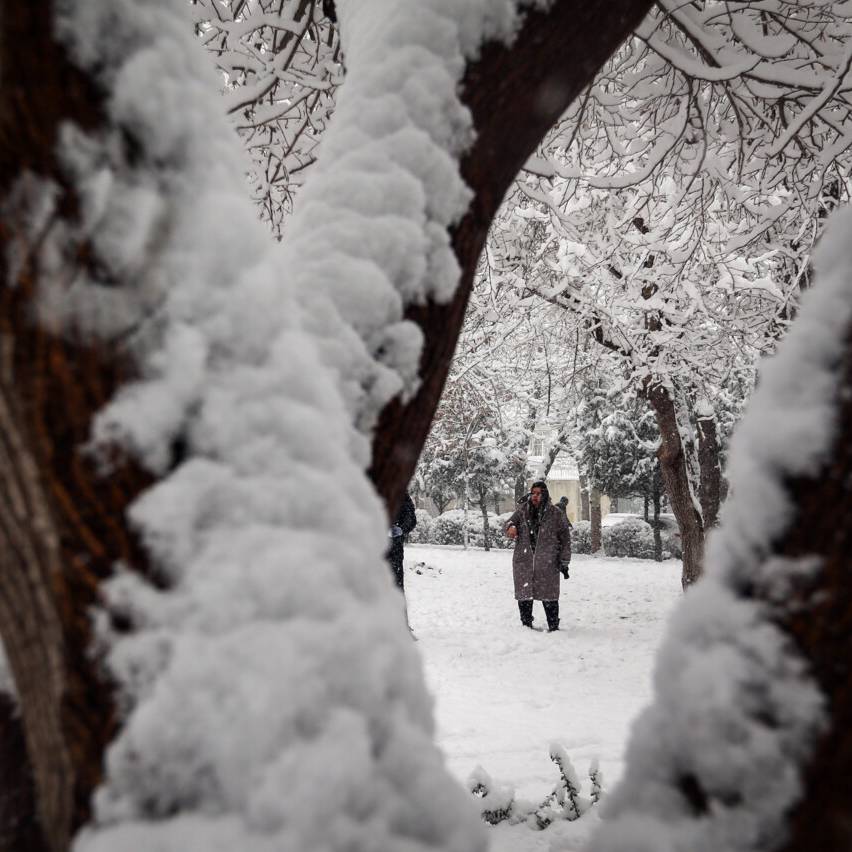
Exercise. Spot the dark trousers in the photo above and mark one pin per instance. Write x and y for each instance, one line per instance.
(398, 576)
(395, 556)
(551, 611)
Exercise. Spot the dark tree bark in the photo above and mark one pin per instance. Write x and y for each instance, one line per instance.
(819, 617)
(515, 94)
(673, 467)
(656, 495)
(483, 507)
(585, 513)
(441, 501)
(61, 525)
(711, 470)
(520, 488)
(19, 832)
(595, 518)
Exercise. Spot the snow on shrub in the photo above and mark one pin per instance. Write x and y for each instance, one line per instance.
(422, 533)
(671, 542)
(499, 537)
(565, 802)
(448, 528)
(581, 537)
(632, 537)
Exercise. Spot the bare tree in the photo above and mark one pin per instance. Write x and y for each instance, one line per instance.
(281, 64)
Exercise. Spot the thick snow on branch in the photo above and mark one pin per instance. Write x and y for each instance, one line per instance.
(371, 231)
(274, 697)
(715, 763)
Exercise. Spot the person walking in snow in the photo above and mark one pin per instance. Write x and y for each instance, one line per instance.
(406, 521)
(542, 537)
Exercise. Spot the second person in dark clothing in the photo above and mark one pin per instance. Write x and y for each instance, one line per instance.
(542, 537)
(406, 521)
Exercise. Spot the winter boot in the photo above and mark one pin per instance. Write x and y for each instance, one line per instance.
(525, 609)
(551, 610)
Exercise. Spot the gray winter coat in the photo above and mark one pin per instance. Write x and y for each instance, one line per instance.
(536, 573)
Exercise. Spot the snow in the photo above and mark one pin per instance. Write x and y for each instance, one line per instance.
(280, 648)
(280, 652)
(371, 230)
(736, 712)
(503, 693)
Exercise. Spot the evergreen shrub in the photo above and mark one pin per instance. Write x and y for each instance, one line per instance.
(448, 527)
(632, 537)
(422, 533)
(581, 537)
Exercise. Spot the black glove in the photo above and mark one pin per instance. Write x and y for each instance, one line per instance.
(564, 570)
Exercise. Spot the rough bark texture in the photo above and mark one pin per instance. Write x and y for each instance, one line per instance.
(595, 518)
(656, 495)
(585, 512)
(19, 832)
(486, 531)
(820, 619)
(711, 470)
(61, 526)
(515, 95)
(676, 480)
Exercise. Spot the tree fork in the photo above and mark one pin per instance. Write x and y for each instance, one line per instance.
(515, 94)
(676, 480)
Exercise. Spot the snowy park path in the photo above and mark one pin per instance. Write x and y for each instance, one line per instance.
(504, 693)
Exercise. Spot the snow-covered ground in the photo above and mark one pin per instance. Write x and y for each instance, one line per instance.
(504, 693)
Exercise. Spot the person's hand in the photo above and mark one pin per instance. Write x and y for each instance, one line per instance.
(395, 531)
(512, 532)
(564, 570)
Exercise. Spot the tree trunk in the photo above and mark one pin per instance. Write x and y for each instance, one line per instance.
(483, 507)
(515, 94)
(673, 467)
(711, 471)
(585, 513)
(655, 500)
(595, 513)
(62, 526)
(520, 488)
(819, 617)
